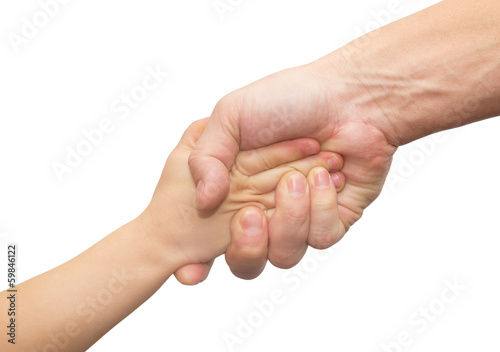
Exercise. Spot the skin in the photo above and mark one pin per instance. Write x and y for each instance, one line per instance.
(435, 70)
(97, 289)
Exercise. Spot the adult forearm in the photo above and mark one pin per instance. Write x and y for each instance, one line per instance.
(70, 307)
(434, 70)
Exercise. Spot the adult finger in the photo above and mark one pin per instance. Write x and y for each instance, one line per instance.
(289, 225)
(325, 228)
(247, 253)
(267, 180)
(213, 156)
(338, 179)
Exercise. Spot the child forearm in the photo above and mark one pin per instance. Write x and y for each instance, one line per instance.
(70, 307)
(76, 303)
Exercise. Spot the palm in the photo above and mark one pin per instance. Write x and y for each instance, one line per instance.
(292, 104)
(367, 157)
(300, 102)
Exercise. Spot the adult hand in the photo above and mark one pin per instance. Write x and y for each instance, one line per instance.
(308, 101)
(425, 73)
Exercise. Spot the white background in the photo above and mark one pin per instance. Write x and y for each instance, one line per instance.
(438, 223)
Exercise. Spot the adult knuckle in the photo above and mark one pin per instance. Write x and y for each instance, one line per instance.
(296, 214)
(226, 104)
(282, 261)
(322, 240)
(194, 156)
(250, 254)
(325, 205)
(286, 258)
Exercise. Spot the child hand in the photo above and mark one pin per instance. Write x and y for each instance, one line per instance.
(186, 235)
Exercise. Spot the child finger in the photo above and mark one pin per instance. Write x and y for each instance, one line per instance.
(268, 180)
(193, 274)
(251, 162)
(193, 133)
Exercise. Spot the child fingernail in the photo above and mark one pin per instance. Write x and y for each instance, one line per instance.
(296, 186)
(251, 222)
(333, 163)
(321, 178)
(311, 149)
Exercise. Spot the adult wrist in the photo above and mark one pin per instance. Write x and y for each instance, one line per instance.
(425, 73)
(355, 98)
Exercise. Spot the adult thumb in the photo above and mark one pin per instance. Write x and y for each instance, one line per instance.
(213, 156)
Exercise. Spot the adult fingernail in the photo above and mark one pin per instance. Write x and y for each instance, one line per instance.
(321, 178)
(252, 222)
(296, 186)
(336, 180)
